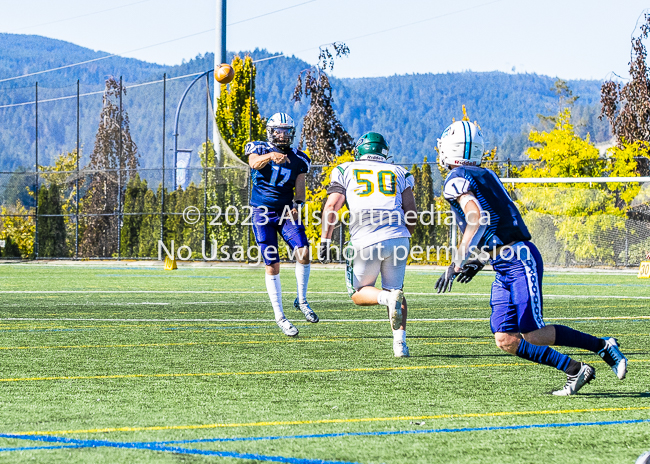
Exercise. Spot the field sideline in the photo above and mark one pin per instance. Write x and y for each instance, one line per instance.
(121, 363)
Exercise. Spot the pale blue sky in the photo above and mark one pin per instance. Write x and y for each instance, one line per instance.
(571, 39)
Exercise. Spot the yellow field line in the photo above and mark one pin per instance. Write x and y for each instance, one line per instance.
(220, 374)
(251, 342)
(334, 421)
(303, 371)
(183, 323)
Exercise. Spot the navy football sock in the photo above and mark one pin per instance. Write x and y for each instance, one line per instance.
(566, 336)
(543, 355)
(574, 367)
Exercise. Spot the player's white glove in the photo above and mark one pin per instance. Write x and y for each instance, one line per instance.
(324, 251)
(469, 270)
(447, 279)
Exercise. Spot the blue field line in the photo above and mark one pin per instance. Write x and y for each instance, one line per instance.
(168, 449)
(402, 432)
(32, 448)
(594, 285)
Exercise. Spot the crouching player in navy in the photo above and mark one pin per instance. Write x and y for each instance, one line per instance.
(491, 222)
(278, 195)
(382, 213)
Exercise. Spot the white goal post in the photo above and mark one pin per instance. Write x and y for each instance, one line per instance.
(572, 180)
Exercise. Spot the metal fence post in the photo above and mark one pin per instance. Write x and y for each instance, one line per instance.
(162, 184)
(76, 183)
(249, 186)
(627, 246)
(36, 186)
(119, 182)
(205, 177)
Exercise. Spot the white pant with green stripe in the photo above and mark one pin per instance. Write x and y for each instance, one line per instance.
(387, 258)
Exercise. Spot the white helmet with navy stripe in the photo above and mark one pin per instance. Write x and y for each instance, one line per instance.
(280, 130)
(461, 144)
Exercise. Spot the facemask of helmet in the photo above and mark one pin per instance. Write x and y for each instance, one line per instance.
(280, 130)
(280, 136)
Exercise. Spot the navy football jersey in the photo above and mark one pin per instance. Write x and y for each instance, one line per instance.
(503, 223)
(273, 184)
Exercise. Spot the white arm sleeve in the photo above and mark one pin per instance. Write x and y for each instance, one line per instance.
(471, 251)
(338, 175)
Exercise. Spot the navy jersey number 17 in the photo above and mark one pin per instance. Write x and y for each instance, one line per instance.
(273, 185)
(279, 172)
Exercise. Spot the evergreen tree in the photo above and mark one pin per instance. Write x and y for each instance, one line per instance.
(133, 203)
(114, 152)
(192, 234)
(322, 134)
(424, 234)
(428, 202)
(51, 226)
(150, 227)
(19, 188)
(417, 239)
(174, 224)
(224, 190)
(565, 99)
(43, 225)
(60, 174)
(10, 250)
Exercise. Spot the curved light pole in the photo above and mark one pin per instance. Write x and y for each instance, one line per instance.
(176, 118)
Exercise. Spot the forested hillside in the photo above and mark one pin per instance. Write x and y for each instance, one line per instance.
(411, 110)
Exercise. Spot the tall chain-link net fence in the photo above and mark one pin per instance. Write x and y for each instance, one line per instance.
(128, 215)
(194, 196)
(587, 224)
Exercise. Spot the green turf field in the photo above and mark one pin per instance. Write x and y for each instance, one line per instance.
(107, 363)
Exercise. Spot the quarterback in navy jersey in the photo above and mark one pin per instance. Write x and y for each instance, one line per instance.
(494, 230)
(278, 179)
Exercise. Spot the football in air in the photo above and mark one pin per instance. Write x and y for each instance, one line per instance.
(224, 74)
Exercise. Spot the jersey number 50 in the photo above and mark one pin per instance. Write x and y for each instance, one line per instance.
(385, 181)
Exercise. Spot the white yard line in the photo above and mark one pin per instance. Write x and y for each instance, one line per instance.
(244, 292)
(453, 319)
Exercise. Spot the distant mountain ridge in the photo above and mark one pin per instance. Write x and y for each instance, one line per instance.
(410, 110)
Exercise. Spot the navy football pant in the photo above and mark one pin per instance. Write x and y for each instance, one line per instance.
(516, 298)
(266, 226)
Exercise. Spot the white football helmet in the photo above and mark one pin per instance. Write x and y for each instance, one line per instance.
(280, 130)
(461, 144)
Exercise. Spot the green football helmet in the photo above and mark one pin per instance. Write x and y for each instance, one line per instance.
(371, 146)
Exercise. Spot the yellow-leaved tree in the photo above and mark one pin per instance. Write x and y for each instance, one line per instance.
(63, 174)
(238, 116)
(315, 200)
(576, 222)
(17, 229)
